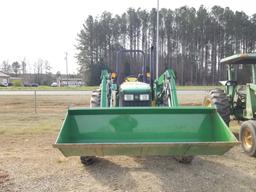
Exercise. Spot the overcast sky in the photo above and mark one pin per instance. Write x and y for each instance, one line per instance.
(46, 29)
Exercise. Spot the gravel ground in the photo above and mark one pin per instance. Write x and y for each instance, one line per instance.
(33, 165)
(29, 163)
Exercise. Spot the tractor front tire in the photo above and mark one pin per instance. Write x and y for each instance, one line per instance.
(218, 98)
(87, 160)
(95, 98)
(247, 136)
(94, 102)
(184, 159)
(180, 159)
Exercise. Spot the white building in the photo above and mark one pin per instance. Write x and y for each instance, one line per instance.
(70, 82)
(4, 78)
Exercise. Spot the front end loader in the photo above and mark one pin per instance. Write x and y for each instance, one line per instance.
(137, 115)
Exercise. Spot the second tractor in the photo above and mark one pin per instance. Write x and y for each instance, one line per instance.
(238, 100)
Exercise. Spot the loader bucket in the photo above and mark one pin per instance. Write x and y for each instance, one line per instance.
(144, 131)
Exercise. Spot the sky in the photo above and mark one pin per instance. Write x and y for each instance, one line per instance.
(46, 29)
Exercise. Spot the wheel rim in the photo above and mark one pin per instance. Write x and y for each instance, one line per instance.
(208, 103)
(247, 139)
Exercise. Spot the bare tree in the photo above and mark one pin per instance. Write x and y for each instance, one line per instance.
(6, 67)
(38, 70)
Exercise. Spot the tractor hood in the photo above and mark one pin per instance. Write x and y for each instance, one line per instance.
(135, 87)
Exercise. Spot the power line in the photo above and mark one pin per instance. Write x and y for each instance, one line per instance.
(66, 59)
(157, 38)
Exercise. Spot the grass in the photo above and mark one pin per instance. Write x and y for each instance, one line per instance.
(90, 88)
(29, 123)
(17, 115)
(203, 88)
(48, 88)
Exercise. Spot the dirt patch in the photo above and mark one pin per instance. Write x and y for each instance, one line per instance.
(29, 162)
(4, 181)
(33, 165)
(3, 177)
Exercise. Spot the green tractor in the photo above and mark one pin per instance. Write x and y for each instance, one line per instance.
(238, 100)
(137, 114)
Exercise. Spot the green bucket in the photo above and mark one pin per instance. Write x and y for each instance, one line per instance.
(144, 131)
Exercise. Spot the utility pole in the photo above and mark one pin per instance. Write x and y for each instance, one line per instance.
(157, 38)
(66, 59)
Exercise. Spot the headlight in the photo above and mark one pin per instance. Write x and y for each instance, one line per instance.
(144, 97)
(128, 97)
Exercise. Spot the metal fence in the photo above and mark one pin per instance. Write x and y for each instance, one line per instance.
(60, 101)
(42, 101)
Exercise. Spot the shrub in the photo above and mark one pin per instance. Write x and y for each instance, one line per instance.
(16, 82)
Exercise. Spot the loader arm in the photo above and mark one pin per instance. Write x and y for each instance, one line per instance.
(165, 87)
(104, 88)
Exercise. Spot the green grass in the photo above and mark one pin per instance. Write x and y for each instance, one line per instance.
(46, 88)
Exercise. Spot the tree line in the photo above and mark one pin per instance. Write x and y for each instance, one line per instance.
(191, 41)
(39, 72)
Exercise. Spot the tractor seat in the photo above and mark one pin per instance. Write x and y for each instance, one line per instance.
(131, 79)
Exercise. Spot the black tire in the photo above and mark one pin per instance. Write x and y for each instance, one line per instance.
(180, 159)
(218, 98)
(87, 160)
(184, 159)
(94, 102)
(247, 136)
(95, 98)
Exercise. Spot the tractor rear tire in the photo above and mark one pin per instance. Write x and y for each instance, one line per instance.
(247, 136)
(218, 98)
(94, 102)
